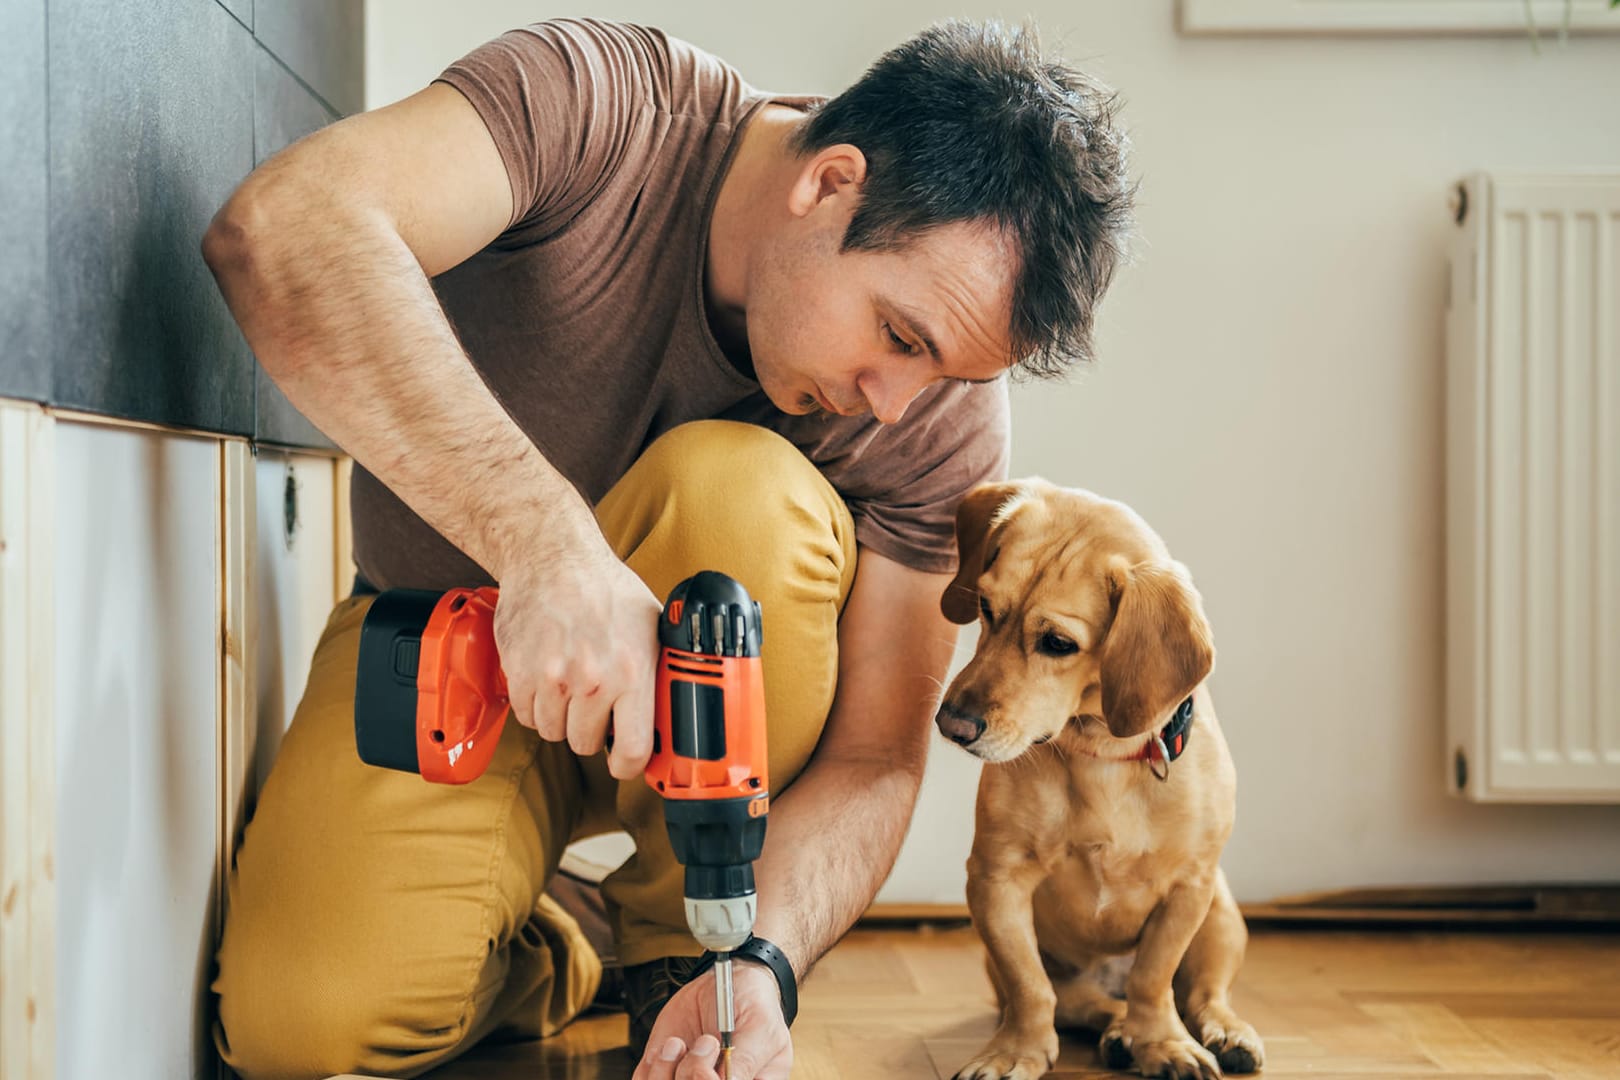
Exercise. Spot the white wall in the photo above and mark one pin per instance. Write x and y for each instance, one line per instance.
(1270, 393)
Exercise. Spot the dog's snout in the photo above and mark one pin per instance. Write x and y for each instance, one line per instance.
(958, 726)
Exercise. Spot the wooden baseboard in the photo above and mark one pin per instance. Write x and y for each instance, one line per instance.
(1592, 905)
(1461, 905)
(890, 914)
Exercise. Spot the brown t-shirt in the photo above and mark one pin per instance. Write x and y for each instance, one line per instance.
(586, 316)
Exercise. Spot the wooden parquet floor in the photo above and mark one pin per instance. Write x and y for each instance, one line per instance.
(1348, 1004)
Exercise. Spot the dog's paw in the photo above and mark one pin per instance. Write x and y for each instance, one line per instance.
(1115, 1049)
(1008, 1058)
(1234, 1043)
(1175, 1059)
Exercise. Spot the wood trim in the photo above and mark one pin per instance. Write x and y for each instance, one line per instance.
(879, 914)
(1481, 905)
(1506, 17)
(343, 569)
(77, 416)
(1495, 905)
(235, 646)
(27, 743)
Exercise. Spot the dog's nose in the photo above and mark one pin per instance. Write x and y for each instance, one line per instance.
(958, 726)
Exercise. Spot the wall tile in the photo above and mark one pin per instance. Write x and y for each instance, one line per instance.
(242, 9)
(322, 41)
(24, 283)
(151, 128)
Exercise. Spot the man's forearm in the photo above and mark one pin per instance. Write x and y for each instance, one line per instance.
(831, 840)
(342, 317)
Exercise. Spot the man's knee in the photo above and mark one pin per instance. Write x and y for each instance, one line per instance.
(736, 483)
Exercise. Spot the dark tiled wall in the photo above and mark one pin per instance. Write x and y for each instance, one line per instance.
(128, 123)
(24, 319)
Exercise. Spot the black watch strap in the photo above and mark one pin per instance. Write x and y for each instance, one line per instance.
(757, 948)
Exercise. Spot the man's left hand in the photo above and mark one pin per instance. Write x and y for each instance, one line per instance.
(684, 1046)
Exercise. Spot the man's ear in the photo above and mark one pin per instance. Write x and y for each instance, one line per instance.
(832, 170)
(1158, 648)
(975, 538)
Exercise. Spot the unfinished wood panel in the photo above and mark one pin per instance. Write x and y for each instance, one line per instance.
(343, 553)
(27, 746)
(235, 650)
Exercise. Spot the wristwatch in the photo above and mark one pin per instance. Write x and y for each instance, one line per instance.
(757, 948)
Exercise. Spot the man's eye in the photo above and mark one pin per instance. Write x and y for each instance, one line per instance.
(1056, 645)
(901, 343)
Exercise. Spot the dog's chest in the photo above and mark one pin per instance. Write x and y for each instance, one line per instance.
(1101, 885)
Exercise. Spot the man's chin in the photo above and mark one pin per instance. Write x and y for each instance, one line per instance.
(793, 404)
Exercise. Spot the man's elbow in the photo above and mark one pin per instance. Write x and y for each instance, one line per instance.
(239, 236)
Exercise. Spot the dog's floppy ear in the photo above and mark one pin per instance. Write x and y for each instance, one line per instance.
(974, 537)
(1158, 649)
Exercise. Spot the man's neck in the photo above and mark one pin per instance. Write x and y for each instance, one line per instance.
(744, 211)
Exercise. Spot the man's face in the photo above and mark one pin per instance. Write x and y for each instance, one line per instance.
(867, 331)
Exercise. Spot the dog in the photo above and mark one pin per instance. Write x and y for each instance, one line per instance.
(1108, 792)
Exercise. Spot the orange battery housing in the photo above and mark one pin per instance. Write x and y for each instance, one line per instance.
(461, 701)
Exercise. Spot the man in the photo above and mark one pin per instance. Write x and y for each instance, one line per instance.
(591, 314)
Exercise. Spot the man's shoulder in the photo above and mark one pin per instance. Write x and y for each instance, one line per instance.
(675, 74)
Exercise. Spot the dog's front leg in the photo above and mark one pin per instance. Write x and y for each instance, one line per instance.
(1151, 1032)
(1001, 898)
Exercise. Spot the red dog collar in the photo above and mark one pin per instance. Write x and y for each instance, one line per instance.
(1170, 742)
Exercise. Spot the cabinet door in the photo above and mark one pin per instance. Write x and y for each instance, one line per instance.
(295, 582)
(137, 771)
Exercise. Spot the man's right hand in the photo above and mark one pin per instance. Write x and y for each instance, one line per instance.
(578, 639)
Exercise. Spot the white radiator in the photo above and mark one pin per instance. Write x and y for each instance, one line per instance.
(1533, 490)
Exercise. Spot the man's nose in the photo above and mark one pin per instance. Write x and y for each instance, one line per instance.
(890, 394)
(958, 726)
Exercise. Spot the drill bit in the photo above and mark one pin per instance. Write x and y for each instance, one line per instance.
(726, 1010)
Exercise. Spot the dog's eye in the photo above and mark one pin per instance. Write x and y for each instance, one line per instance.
(1056, 645)
(984, 609)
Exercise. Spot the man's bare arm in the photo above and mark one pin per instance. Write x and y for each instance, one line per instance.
(834, 835)
(324, 255)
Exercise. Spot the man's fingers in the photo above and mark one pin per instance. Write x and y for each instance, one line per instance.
(660, 1060)
(549, 712)
(632, 731)
(587, 723)
(702, 1062)
(743, 1065)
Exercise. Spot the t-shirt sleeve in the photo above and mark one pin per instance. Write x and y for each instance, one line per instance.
(904, 492)
(563, 100)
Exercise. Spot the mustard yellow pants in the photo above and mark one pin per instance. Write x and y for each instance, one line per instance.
(381, 924)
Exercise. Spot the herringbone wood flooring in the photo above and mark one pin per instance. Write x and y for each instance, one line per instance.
(1397, 1005)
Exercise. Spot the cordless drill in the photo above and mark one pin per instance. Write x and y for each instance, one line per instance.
(431, 698)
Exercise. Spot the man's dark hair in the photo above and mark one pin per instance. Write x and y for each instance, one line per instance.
(967, 121)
